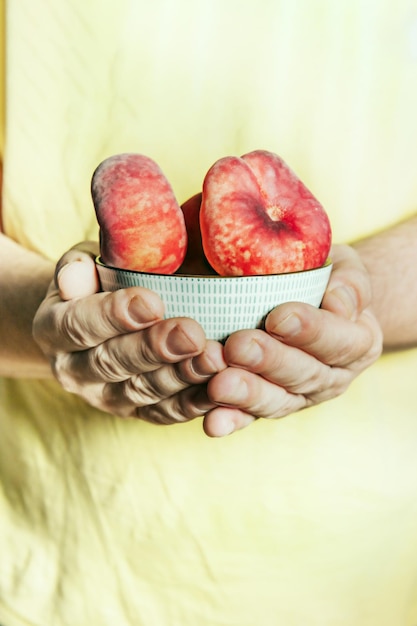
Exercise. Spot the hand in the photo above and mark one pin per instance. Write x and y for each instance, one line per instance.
(303, 357)
(115, 350)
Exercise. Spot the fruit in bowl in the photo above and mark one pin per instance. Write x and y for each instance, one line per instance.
(253, 238)
(141, 224)
(253, 217)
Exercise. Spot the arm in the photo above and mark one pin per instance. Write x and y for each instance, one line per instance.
(391, 260)
(271, 373)
(370, 304)
(24, 278)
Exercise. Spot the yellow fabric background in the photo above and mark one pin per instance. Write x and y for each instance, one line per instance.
(2, 62)
(306, 521)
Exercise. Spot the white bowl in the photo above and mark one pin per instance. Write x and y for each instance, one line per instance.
(220, 304)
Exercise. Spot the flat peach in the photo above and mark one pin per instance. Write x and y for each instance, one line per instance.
(258, 218)
(141, 223)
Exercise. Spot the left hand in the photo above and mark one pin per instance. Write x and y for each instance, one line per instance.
(304, 356)
(115, 350)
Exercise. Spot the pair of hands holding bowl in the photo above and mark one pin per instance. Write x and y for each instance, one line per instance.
(115, 350)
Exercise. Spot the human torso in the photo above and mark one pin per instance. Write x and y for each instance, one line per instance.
(306, 520)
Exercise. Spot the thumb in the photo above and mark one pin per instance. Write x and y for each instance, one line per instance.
(76, 275)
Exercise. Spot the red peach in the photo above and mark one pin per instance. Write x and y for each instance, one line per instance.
(195, 262)
(141, 224)
(257, 217)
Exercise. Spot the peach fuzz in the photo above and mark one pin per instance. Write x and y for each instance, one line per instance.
(142, 226)
(258, 218)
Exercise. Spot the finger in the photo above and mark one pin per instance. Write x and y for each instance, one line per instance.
(78, 279)
(150, 387)
(349, 290)
(223, 421)
(182, 407)
(75, 273)
(117, 359)
(291, 369)
(252, 394)
(82, 323)
(77, 252)
(330, 338)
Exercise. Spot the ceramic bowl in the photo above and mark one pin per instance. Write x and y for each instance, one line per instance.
(222, 305)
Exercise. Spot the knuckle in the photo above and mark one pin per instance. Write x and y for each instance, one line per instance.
(310, 380)
(343, 355)
(72, 327)
(377, 337)
(361, 283)
(104, 364)
(187, 407)
(115, 305)
(341, 384)
(153, 414)
(61, 371)
(37, 329)
(333, 385)
(140, 391)
(319, 380)
(43, 321)
(194, 402)
(290, 403)
(374, 341)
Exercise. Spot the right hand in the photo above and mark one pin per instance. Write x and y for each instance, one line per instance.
(117, 352)
(290, 366)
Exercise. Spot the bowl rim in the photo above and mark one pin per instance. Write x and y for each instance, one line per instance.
(328, 263)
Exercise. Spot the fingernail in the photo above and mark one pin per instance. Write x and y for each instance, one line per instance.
(236, 394)
(251, 353)
(203, 367)
(139, 310)
(290, 325)
(254, 353)
(346, 297)
(178, 342)
(226, 427)
(76, 279)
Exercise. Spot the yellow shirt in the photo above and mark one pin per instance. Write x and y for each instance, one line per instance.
(2, 62)
(306, 521)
